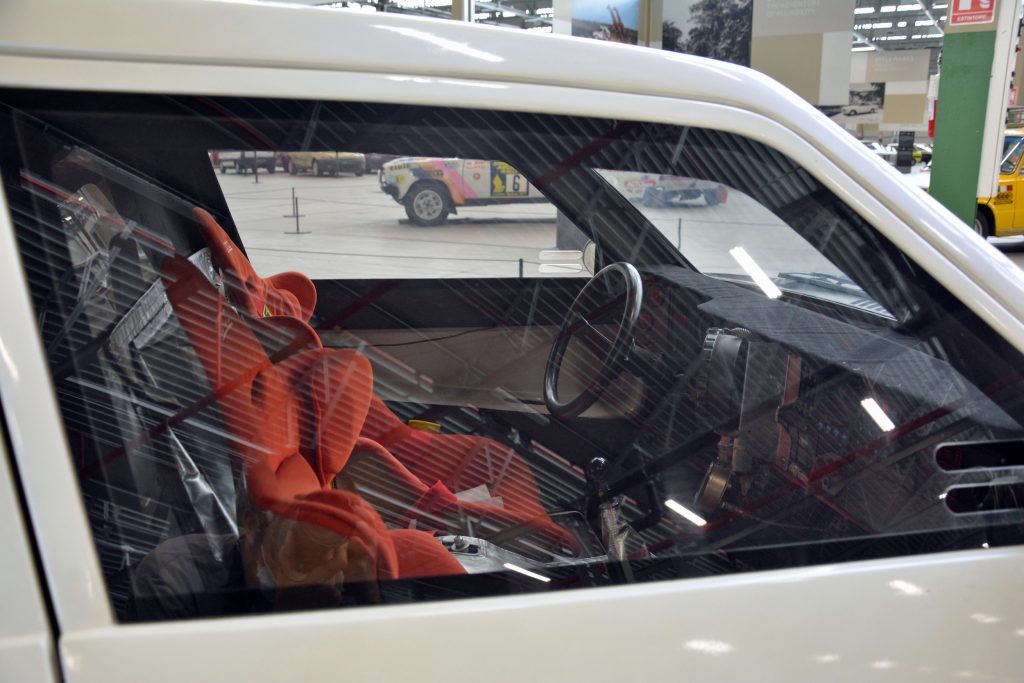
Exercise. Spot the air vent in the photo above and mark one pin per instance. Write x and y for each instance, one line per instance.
(995, 497)
(954, 457)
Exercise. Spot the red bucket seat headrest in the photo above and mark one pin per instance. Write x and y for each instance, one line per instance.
(288, 293)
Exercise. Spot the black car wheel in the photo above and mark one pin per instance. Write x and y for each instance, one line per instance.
(982, 224)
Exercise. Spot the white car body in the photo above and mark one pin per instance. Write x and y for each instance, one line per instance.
(928, 617)
(857, 109)
(462, 182)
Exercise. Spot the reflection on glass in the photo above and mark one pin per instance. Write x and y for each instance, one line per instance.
(877, 414)
(685, 512)
(750, 267)
(531, 15)
(1013, 147)
(906, 588)
(715, 648)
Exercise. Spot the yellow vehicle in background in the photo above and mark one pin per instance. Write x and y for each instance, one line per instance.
(326, 163)
(1002, 215)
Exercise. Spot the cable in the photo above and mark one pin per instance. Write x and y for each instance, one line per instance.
(435, 339)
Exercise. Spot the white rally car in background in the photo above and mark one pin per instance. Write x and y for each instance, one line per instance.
(656, 190)
(430, 188)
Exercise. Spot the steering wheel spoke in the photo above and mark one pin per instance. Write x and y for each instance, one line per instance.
(614, 294)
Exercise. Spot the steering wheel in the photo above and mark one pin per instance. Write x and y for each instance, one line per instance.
(594, 339)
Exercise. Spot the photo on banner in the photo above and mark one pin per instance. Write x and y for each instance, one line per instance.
(865, 106)
(615, 21)
(720, 29)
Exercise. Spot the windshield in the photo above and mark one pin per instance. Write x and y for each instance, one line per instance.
(1013, 146)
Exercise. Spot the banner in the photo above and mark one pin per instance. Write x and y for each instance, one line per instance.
(805, 44)
(615, 21)
(719, 29)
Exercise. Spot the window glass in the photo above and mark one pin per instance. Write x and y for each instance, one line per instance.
(351, 215)
(727, 233)
(1013, 147)
(261, 420)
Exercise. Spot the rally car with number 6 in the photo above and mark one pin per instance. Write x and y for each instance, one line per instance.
(430, 189)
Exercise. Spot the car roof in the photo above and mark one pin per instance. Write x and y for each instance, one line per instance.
(230, 32)
(148, 47)
(90, 33)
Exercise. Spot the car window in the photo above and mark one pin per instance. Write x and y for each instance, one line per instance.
(729, 234)
(337, 214)
(1013, 147)
(754, 378)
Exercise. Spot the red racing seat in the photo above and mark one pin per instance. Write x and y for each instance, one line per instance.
(440, 475)
(289, 427)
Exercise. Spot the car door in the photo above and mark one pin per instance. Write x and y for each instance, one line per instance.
(127, 452)
(26, 643)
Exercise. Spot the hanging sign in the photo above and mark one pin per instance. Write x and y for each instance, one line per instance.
(967, 12)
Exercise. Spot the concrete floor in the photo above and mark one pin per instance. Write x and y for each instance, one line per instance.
(1013, 247)
(350, 229)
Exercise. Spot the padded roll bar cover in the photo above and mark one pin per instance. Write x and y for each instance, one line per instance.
(288, 293)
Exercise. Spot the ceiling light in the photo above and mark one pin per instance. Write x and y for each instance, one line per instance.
(689, 515)
(864, 10)
(868, 48)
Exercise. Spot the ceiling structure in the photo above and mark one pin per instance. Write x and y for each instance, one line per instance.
(899, 25)
(876, 24)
